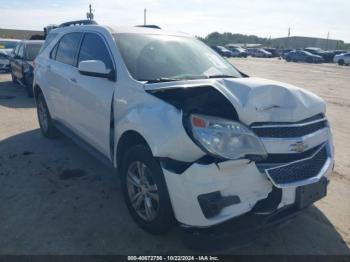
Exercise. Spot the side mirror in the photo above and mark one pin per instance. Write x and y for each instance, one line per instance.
(95, 68)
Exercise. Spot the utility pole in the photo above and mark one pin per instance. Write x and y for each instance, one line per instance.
(90, 15)
(288, 37)
(327, 41)
(144, 16)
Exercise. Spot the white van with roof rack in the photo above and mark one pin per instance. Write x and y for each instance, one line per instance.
(195, 141)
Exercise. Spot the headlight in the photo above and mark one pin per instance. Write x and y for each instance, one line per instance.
(225, 138)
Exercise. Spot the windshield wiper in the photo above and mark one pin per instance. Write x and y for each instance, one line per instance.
(221, 76)
(170, 79)
(160, 80)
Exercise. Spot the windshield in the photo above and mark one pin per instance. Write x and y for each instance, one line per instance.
(32, 51)
(8, 44)
(151, 57)
(307, 53)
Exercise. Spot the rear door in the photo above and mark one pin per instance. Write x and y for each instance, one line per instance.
(60, 72)
(347, 58)
(16, 62)
(300, 56)
(90, 98)
(12, 57)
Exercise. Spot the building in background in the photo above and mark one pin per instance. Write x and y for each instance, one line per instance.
(20, 34)
(299, 42)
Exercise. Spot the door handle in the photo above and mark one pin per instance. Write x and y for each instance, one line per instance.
(73, 80)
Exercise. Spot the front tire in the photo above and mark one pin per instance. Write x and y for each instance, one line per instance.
(341, 62)
(14, 79)
(145, 191)
(47, 127)
(29, 88)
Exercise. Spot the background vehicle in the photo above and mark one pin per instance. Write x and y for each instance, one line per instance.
(284, 52)
(339, 52)
(326, 55)
(259, 52)
(21, 63)
(342, 59)
(237, 51)
(237, 158)
(222, 51)
(303, 56)
(6, 47)
(273, 51)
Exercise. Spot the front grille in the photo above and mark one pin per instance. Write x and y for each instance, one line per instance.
(284, 130)
(287, 158)
(300, 170)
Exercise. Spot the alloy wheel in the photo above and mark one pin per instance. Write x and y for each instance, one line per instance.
(142, 191)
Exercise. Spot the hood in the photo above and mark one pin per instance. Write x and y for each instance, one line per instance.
(340, 55)
(257, 99)
(6, 52)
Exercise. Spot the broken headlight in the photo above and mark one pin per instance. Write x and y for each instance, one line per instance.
(224, 138)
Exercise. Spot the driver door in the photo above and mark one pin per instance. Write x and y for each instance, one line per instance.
(90, 97)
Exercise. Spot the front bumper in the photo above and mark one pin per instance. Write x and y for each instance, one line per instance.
(243, 229)
(237, 178)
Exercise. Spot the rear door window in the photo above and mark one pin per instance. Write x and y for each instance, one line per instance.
(32, 50)
(54, 52)
(17, 49)
(68, 48)
(48, 40)
(21, 51)
(94, 48)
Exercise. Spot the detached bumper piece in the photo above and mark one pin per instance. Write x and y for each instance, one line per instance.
(212, 203)
(301, 172)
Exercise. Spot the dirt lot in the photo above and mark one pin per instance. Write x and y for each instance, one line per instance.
(57, 199)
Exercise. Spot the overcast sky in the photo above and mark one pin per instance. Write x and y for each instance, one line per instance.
(264, 18)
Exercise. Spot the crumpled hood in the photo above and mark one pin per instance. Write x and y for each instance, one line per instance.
(259, 100)
(262, 100)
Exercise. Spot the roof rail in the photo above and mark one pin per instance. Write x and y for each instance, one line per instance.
(78, 22)
(48, 28)
(149, 26)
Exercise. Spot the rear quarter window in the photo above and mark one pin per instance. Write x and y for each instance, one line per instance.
(48, 40)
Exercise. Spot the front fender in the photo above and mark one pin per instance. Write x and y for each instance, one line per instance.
(162, 128)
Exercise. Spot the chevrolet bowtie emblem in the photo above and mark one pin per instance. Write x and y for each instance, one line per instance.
(298, 147)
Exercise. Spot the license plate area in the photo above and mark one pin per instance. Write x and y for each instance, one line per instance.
(306, 195)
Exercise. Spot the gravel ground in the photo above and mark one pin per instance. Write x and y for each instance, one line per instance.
(57, 199)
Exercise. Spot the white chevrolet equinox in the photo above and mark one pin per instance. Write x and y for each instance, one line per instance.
(195, 141)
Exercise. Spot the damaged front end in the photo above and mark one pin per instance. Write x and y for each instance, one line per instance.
(281, 130)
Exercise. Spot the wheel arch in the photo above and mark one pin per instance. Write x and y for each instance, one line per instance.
(36, 91)
(127, 140)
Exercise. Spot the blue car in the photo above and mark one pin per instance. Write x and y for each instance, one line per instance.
(22, 63)
(223, 51)
(303, 56)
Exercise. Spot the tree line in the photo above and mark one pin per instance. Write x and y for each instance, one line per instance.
(216, 38)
